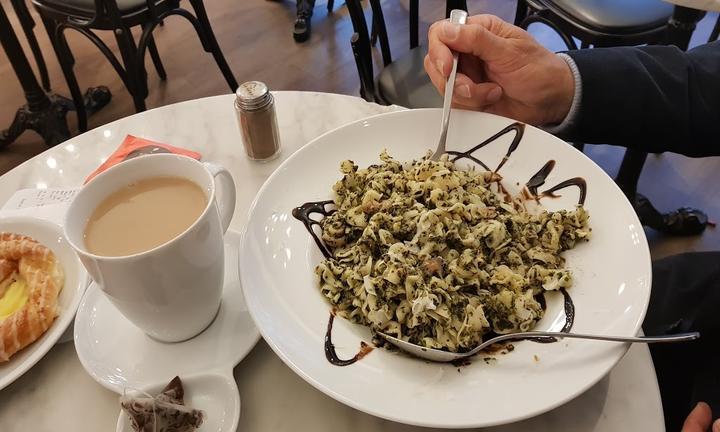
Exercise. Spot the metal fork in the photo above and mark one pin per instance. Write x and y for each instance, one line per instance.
(457, 16)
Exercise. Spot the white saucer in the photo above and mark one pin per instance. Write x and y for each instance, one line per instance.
(76, 279)
(120, 356)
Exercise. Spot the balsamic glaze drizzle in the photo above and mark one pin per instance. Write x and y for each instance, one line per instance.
(569, 311)
(575, 181)
(538, 179)
(517, 127)
(330, 353)
(303, 212)
(569, 307)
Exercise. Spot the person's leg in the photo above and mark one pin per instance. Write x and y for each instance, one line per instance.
(301, 30)
(686, 297)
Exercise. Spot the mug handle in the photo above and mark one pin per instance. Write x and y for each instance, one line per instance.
(225, 182)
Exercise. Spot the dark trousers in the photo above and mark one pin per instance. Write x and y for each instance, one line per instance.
(686, 297)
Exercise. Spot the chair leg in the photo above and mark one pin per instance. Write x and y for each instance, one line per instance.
(629, 173)
(454, 4)
(521, 12)
(136, 74)
(373, 32)
(715, 31)
(27, 24)
(209, 36)
(367, 86)
(414, 23)
(67, 62)
(155, 56)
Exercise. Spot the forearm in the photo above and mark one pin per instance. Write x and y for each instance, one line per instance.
(651, 98)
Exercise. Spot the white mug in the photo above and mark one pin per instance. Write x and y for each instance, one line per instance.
(172, 292)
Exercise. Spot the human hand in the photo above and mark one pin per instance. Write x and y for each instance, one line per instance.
(502, 70)
(699, 420)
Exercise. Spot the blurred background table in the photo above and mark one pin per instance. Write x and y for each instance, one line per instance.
(57, 394)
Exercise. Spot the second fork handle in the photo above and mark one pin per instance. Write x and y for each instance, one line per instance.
(680, 337)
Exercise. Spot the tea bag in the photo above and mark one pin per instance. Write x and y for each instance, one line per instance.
(165, 412)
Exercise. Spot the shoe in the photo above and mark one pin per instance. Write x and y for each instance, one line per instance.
(301, 31)
(684, 221)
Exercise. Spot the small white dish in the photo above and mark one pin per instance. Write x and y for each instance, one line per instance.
(119, 356)
(76, 279)
(611, 279)
(215, 394)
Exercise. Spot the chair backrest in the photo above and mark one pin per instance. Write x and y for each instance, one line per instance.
(592, 22)
(361, 39)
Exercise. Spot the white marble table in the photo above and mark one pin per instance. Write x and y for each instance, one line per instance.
(57, 394)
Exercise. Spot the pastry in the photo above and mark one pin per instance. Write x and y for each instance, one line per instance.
(30, 280)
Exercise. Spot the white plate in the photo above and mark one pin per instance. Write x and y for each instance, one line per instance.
(216, 395)
(76, 279)
(611, 290)
(120, 356)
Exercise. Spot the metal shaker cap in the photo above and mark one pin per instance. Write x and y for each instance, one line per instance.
(253, 95)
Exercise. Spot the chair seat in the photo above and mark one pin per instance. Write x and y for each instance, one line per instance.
(87, 7)
(616, 16)
(404, 82)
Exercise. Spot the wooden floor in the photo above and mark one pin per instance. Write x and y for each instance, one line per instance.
(256, 38)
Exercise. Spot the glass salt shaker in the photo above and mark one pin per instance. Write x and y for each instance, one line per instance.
(255, 109)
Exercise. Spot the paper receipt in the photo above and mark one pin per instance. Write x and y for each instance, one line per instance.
(26, 198)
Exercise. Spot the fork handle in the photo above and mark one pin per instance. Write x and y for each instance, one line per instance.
(459, 17)
(679, 337)
(447, 101)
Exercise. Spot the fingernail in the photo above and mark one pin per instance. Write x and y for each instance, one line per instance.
(494, 95)
(463, 91)
(440, 65)
(450, 30)
(716, 426)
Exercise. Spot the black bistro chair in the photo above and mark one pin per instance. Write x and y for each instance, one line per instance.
(402, 81)
(608, 23)
(119, 16)
(28, 24)
(599, 23)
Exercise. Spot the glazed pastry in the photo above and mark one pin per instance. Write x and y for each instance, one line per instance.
(165, 412)
(7, 268)
(31, 279)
